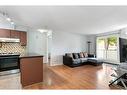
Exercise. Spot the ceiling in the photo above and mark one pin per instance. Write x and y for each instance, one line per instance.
(77, 19)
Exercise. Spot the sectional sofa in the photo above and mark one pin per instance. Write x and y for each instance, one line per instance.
(82, 58)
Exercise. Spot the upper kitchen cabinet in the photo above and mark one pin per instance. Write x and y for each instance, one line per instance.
(23, 38)
(15, 34)
(5, 33)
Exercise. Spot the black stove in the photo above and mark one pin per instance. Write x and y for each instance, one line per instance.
(9, 61)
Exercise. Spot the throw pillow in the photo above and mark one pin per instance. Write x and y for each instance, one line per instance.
(76, 55)
(85, 54)
(69, 55)
(81, 55)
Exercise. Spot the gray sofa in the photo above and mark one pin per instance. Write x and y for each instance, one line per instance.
(82, 58)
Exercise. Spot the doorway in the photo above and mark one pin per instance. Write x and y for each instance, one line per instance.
(49, 47)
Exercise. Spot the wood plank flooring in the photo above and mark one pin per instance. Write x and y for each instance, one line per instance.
(64, 77)
(83, 77)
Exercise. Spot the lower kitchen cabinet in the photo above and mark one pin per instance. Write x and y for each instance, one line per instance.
(31, 70)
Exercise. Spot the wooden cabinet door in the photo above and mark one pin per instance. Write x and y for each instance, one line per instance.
(15, 34)
(4, 33)
(23, 38)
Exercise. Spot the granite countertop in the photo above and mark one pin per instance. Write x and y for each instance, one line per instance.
(29, 55)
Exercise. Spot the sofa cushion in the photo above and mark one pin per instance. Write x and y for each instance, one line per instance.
(83, 60)
(94, 60)
(76, 61)
(76, 56)
(69, 55)
(81, 55)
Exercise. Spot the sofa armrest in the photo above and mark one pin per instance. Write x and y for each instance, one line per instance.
(67, 60)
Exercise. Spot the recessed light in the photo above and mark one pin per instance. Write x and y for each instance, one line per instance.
(42, 30)
(8, 19)
(12, 22)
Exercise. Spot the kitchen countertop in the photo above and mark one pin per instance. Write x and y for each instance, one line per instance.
(30, 55)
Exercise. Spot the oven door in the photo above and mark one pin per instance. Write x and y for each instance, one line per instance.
(9, 63)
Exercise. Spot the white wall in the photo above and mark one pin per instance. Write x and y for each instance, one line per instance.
(37, 43)
(64, 42)
(92, 39)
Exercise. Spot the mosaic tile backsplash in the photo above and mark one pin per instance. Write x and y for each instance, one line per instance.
(12, 48)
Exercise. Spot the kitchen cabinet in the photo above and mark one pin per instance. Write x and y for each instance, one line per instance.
(15, 34)
(5, 33)
(31, 67)
(23, 38)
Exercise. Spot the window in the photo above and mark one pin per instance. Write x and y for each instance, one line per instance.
(107, 48)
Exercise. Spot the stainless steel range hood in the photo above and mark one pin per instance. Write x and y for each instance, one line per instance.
(9, 40)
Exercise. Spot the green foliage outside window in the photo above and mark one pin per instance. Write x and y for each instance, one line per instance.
(112, 41)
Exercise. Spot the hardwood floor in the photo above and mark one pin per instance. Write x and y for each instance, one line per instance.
(64, 77)
(84, 77)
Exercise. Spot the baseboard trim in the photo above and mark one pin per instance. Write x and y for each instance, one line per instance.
(56, 64)
(110, 63)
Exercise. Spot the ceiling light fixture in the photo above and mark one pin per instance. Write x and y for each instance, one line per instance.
(12, 23)
(8, 19)
(42, 30)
